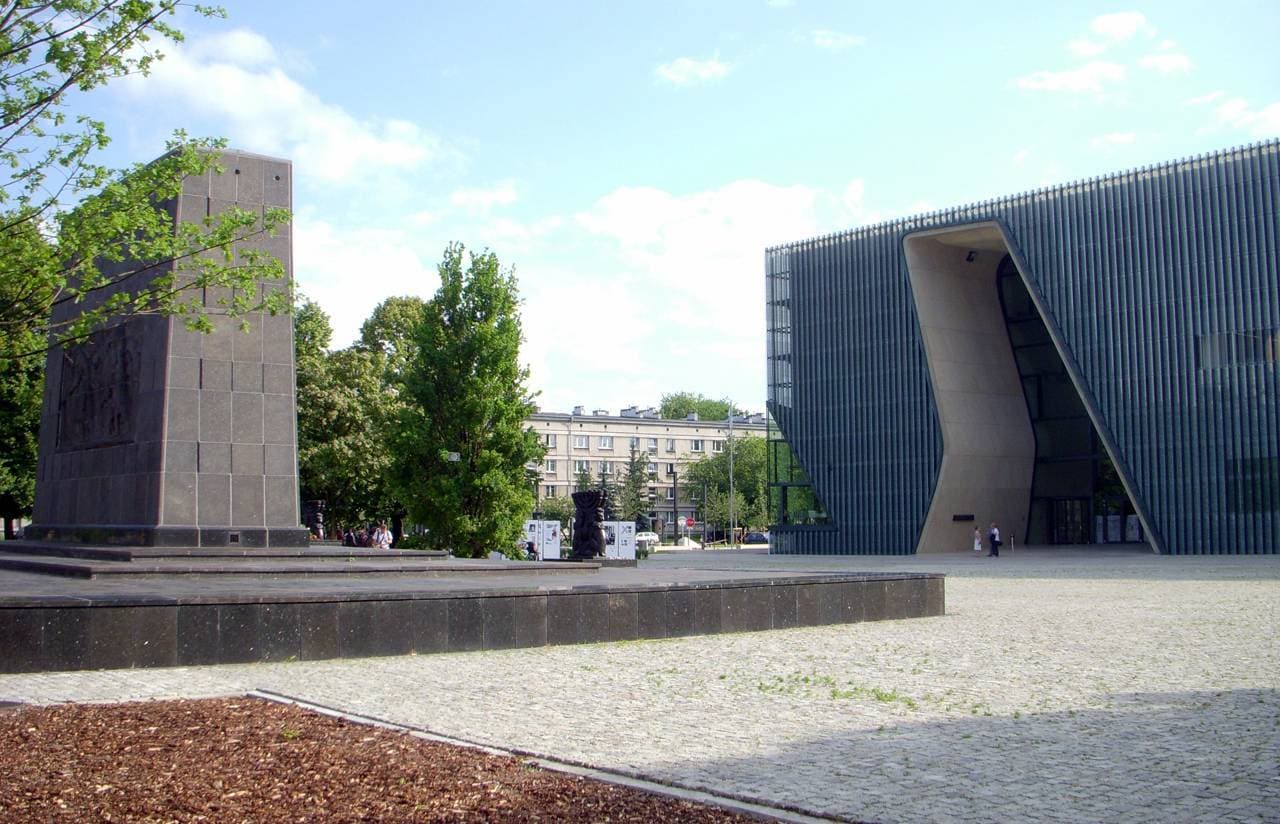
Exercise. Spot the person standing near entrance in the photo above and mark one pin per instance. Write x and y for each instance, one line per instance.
(977, 541)
(993, 536)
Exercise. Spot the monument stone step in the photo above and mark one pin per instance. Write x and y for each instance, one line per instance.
(326, 563)
(126, 553)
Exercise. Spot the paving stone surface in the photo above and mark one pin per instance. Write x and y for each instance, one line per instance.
(1102, 685)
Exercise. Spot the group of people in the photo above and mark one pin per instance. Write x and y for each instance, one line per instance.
(993, 541)
(379, 537)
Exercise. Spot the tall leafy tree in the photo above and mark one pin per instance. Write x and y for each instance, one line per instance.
(21, 391)
(389, 331)
(582, 481)
(676, 405)
(558, 509)
(633, 495)
(461, 444)
(611, 496)
(111, 247)
(749, 479)
(345, 409)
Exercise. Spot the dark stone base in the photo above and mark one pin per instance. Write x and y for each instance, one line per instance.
(169, 536)
(116, 631)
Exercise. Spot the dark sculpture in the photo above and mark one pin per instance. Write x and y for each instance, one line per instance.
(588, 517)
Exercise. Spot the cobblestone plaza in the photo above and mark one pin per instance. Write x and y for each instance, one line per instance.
(1060, 685)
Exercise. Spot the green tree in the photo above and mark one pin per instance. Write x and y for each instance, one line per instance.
(110, 247)
(633, 495)
(21, 391)
(466, 398)
(558, 509)
(749, 479)
(715, 509)
(389, 331)
(344, 409)
(582, 481)
(611, 496)
(678, 405)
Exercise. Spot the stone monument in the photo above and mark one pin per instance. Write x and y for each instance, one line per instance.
(588, 524)
(154, 435)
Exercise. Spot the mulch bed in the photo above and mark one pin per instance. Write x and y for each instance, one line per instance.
(237, 760)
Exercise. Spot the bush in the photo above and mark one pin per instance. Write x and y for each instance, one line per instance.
(418, 541)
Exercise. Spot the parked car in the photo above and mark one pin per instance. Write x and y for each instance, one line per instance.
(756, 538)
(646, 538)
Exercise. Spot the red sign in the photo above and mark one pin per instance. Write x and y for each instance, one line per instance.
(688, 522)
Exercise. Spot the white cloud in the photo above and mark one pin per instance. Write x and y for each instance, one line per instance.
(350, 271)
(236, 79)
(1113, 139)
(1205, 98)
(518, 236)
(1238, 114)
(482, 200)
(662, 290)
(242, 47)
(835, 40)
(1168, 63)
(684, 71)
(1121, 25)
(690, 268)
(1084, 48)
(1020, 156)
(1091, 77)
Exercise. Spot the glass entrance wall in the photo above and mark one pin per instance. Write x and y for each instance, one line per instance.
(792, 501)
(1068, 488)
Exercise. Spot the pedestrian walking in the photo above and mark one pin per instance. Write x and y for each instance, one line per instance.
(977, 541)
(993, 536)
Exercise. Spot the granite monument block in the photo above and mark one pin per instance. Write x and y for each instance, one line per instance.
(155, 435)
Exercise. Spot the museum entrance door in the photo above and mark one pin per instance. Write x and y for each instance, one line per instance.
(1071, 519)
(1074, 480)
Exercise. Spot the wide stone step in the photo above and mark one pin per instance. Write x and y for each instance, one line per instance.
(284, 565)
(101, 553)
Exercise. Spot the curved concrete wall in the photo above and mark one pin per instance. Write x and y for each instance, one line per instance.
(988, 452)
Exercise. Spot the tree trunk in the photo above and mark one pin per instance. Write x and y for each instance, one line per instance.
(397, 528)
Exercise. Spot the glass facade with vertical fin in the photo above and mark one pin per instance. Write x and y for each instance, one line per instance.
(1157, 293)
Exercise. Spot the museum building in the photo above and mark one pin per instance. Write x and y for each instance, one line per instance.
(1056, 362)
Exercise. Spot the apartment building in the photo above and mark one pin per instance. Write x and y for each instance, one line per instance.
(599, 442)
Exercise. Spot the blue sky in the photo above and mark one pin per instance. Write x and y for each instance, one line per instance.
(632, 160)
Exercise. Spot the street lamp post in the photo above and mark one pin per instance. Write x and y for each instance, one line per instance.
(675, 503)
(733, 516)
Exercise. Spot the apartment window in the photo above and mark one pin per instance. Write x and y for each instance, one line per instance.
(634, 443)
(671, 469)
(581, 442)
(717, 446)
(695, 445)
(671, 444)
(550, 466)
(606, 442)
(653, 467)
(671, 493)
(581, 466)
(606, 467)
(549, 439)
(549, 492)
(652, 444)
